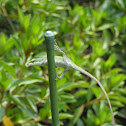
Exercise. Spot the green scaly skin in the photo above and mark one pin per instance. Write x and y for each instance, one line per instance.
(66, 63)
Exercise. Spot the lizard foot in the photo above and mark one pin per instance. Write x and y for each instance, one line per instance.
(58, 77)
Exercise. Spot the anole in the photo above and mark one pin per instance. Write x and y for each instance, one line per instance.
(66, 63)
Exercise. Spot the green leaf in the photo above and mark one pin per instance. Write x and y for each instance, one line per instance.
(43, 91)
(31, 104)
(121, 3)
(6, 83)
(118, 98)
(80, 123)
(21, 15)
(68, 98)
(117, 103)
(26, 21)
(106, 39)
(89, 94)
(9, 68)
(77, 115)
(34, 26)
(120, 91)
(65, 116)
(24, 42)
(17, 101)
(18, 44)
(104, 26)
(43, 113)
(2, 113)
(117, 80)
(111, 61)
(97, 91)
(70, 86)
(24, 82)
(81, 92)
(29, 113)
(96, 62)
(5, 44)
(109, 124)
(2, 43)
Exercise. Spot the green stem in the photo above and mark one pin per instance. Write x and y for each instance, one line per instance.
(49, 37)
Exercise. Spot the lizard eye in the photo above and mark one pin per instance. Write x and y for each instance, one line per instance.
(33, 61)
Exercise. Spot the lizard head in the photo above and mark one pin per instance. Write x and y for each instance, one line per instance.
(36, 62)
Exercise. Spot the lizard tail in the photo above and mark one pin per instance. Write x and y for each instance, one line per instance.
(91, 76)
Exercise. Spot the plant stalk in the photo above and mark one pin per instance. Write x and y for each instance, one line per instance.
(49, 38)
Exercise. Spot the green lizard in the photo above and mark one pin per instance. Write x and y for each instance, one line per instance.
(66, 63)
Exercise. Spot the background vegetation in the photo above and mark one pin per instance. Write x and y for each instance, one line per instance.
(91, 33)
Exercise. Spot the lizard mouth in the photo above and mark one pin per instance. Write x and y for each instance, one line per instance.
(30, 64)
(27, 64)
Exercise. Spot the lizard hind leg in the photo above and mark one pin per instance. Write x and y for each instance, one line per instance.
(61, 76)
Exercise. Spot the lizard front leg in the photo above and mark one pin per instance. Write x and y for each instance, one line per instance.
(63, 54)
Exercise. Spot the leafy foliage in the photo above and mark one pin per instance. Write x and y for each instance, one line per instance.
(92, 34)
